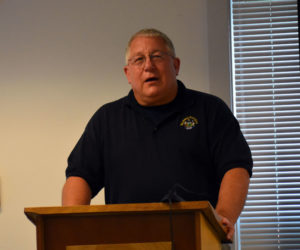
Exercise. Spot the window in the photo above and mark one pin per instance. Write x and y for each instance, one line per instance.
(266, 86)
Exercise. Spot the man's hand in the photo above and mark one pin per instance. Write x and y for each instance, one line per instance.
(229, 228)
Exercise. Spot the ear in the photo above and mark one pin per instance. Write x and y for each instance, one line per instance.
(127, 73)
(176, 63)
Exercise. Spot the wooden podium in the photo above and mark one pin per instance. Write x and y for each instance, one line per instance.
(144, 226)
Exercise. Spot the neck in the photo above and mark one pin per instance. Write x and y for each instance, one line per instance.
(159, 100)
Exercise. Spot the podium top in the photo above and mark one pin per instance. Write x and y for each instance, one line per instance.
(34, 213)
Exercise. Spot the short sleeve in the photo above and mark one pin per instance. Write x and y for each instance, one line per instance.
(85, 160)
(228, 145)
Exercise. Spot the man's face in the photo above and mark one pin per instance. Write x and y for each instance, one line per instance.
(154, 80)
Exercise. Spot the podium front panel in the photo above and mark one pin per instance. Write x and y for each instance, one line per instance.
(61, 231)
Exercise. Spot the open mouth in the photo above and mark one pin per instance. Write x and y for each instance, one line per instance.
(151, 79)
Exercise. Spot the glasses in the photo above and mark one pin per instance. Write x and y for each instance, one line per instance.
(155, 57)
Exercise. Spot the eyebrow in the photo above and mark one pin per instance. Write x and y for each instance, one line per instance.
(142, 54)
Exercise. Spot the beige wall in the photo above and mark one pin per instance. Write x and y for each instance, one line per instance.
(59, 61)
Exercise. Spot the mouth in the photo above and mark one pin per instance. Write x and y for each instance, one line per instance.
(151, 79)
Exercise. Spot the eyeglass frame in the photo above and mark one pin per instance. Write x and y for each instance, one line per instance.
(154, 58)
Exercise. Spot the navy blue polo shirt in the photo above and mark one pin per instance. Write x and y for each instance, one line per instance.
(192, 142)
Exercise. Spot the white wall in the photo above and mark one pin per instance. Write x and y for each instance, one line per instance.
(59, 61)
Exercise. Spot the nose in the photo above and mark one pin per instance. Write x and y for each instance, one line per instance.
(148, 65)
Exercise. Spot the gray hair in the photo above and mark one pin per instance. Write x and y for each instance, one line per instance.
(151, 33)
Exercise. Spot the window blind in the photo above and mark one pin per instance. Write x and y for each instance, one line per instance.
(266, 101)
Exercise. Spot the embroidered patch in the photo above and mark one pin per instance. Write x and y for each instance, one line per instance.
(189, 122)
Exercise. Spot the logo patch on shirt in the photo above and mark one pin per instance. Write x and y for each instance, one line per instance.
(189, 122)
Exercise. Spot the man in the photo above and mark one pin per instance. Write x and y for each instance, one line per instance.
(159, 136)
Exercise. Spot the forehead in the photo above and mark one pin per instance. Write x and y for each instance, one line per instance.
(146, 44)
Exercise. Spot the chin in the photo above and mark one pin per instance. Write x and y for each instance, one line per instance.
(152, 93)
